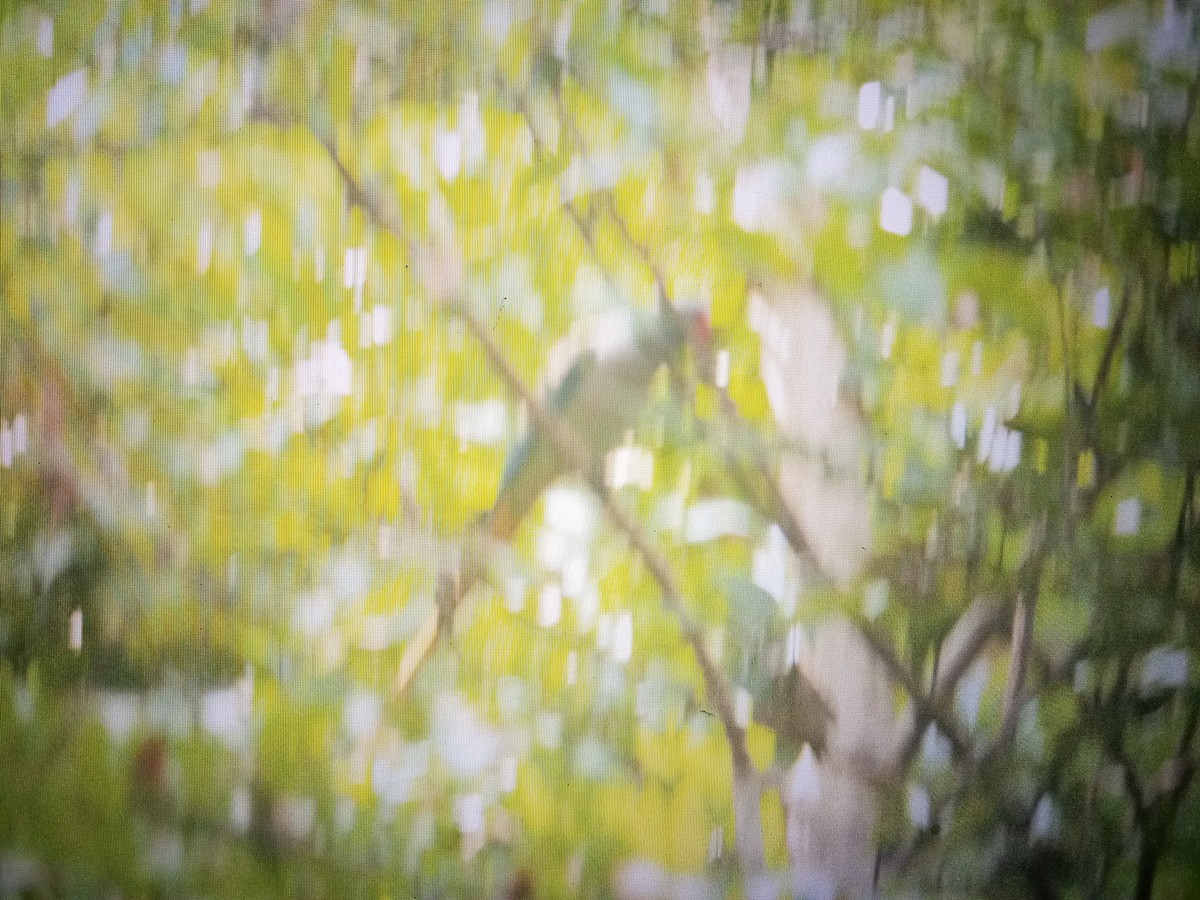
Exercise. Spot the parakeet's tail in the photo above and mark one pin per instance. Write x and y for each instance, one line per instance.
(500, 522)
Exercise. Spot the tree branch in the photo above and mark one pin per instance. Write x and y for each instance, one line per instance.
(929, 708)
(1110, 349)
(575, 453)
(934, 706)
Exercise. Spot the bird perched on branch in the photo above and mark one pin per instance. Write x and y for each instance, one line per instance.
(601, 396)
(599, 399)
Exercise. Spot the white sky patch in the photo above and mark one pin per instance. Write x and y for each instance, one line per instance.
(336, 369)
(933, 191)
(895, 212)
(770, 326)
(721, 376)
(1101, 308)
(395, 775)
(484, 423)
(71, 200)
(997, 453)
(345, 811)
(256, 339)
(805, 786)
(776, 387)
(562, 33)
(875, 599)
(66, 96)
(550, 603)
(1114, 26)
(1127, 519)
(45, 36)
(75, 630)
(919, 806)
(225, 713)
(958, 425)
(950, 363)
(797, 646)
(313, 614)
(935, 748)
(641, 879)
(468, 813)
(728, 77)
(986, 433)
(770, 569)
(743, 706)
(361, 712)
(831, 159)
(204, 249)
(381, 325)
(611, 332)
(1165, 667)
(604, 631)
(712, 519)
(870, 104)
(1081, 679)
(295, 816)
(378, 632)
(548, 727)
(468, 746)
(1012, 450)
(102, 245)
(758, 194)
(427, 399)
(447, 153)
(716, 843)
(252, 232)
(887, 338)
(630, 466)
(241, 810)
(360, 274)
(970, 691)
(1046, 821)
(570, 511)
(704, 197)
(20, 430)
(977, 359)
(120, 712)
(622, 638)
(191, 368)
(514, 594)
(587, 607)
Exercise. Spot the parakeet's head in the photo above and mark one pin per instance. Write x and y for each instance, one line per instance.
(695, 332)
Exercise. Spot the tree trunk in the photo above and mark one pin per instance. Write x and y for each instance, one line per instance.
(1147, 864)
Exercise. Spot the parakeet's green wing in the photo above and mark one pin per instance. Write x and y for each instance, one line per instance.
(533, 465)
(558, 402)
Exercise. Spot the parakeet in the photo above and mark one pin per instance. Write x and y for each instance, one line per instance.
(797, 713)
(599, 399)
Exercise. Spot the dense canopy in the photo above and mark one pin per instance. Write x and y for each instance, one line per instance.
(888, 580)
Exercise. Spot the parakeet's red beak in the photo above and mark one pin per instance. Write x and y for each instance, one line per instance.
(701, 330)
(700, 337)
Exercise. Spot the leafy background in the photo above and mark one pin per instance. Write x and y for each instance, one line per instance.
(904, 599)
